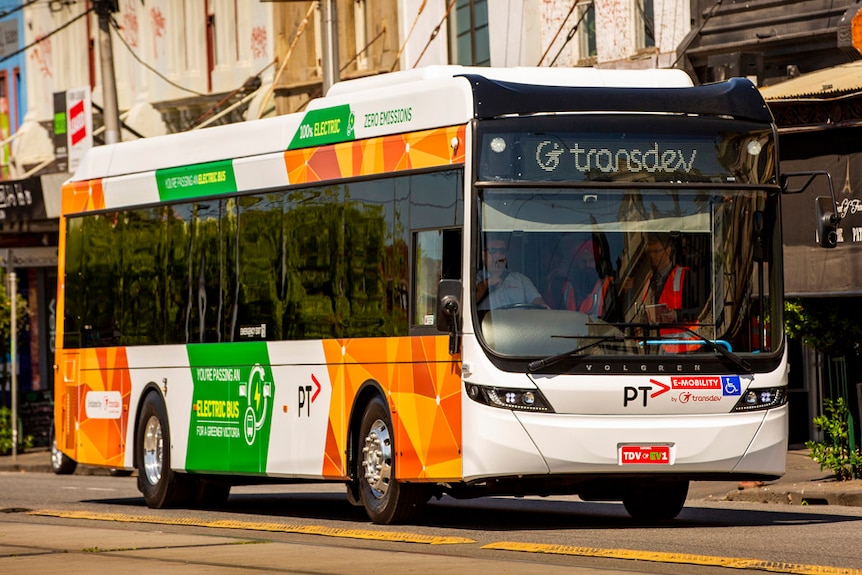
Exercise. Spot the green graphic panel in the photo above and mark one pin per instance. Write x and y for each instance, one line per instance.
(60, 122)
(326, 126)
(231, 413)
(195, 181)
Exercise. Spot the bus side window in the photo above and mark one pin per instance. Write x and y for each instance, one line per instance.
(436, 256)
(452, 248)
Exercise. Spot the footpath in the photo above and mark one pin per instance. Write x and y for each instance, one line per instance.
(804, 483)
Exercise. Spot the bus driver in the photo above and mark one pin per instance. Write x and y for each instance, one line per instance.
(498, 287)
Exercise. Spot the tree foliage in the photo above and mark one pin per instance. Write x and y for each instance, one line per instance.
(834, 451)
(24, 442)
(23, 319)
(828, 325)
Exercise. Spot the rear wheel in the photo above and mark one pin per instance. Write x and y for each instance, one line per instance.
(386, 500)
(160, 486)
(659, 501)
(61, 464)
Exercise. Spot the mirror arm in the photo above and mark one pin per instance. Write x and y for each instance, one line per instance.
(452, 309)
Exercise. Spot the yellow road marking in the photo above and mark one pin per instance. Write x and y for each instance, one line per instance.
(659, 557)
(406, 537)
(395, 536)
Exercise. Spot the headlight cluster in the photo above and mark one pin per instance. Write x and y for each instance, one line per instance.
(509, 398)
(761, 398)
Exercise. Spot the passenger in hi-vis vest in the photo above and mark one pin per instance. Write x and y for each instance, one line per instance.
(576, 283)
(665, 297)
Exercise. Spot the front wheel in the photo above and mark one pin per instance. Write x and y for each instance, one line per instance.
(160, 486)
(659, 501)
(386, 500)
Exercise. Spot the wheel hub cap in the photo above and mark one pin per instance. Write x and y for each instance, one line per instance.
(377, 458)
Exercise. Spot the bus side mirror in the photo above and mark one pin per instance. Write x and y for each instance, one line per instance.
(449, 311)
(827, 222)
(826, 210)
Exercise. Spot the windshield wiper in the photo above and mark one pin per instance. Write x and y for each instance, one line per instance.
(721, 350)
(553, 359)
(715, 346)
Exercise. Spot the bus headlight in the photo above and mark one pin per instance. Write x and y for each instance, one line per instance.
(761, 398)
(509, 398)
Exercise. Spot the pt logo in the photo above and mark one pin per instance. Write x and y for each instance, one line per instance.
(631, 393)
(306, 398)
(257, 393)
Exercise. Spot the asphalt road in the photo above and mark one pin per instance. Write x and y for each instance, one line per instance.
(270, 528)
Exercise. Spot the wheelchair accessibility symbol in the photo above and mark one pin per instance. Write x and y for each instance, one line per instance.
(730, 385)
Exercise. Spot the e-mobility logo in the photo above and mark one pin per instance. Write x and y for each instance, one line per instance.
(693, 389)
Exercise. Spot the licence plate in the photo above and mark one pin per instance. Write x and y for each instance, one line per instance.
(645, 454)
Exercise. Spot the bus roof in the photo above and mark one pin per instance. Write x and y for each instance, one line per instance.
(581, 77)
(400, 102)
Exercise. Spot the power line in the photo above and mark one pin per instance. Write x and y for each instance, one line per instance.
(48, 35)
(570, 35)
(694, 35)
(17, 9)
(147, 66)
(560, 29)
(435, 32)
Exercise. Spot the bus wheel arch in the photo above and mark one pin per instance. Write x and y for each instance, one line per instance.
(148, 389)
(386, 500)
(367, 392)
(61, 464)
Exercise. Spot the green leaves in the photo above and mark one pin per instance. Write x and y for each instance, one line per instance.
(25, 442)
(828, 325)
(834, 452)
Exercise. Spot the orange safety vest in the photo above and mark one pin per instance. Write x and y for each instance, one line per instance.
(671, 296)
(592, 304)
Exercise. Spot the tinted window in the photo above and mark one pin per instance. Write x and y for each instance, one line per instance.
(311, 263)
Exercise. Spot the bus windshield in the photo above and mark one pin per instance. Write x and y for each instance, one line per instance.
(624, 271)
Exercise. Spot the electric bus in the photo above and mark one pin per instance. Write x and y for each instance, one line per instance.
(319, 296)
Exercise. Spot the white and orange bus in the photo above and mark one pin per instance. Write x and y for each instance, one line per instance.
(295, 298)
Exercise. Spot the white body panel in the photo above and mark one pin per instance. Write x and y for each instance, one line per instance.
(299, 416)
(591, 423)
(168, 368)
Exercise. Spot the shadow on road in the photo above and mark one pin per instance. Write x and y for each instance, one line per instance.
(492, 514)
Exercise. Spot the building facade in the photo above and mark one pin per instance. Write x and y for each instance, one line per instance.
(187, 64)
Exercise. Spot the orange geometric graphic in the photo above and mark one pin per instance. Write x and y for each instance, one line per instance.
(98, 441)
(416, 150)
(83, 196)
(422, 383)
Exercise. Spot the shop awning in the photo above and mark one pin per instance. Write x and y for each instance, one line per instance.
(828, 83)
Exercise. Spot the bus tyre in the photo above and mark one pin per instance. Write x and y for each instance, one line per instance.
(160, 486)
(659, 501)
(61, 464)
(386, 500)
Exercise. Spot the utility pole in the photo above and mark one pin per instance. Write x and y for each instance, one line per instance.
(329, 42)
(12, 292)
(110, 108)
